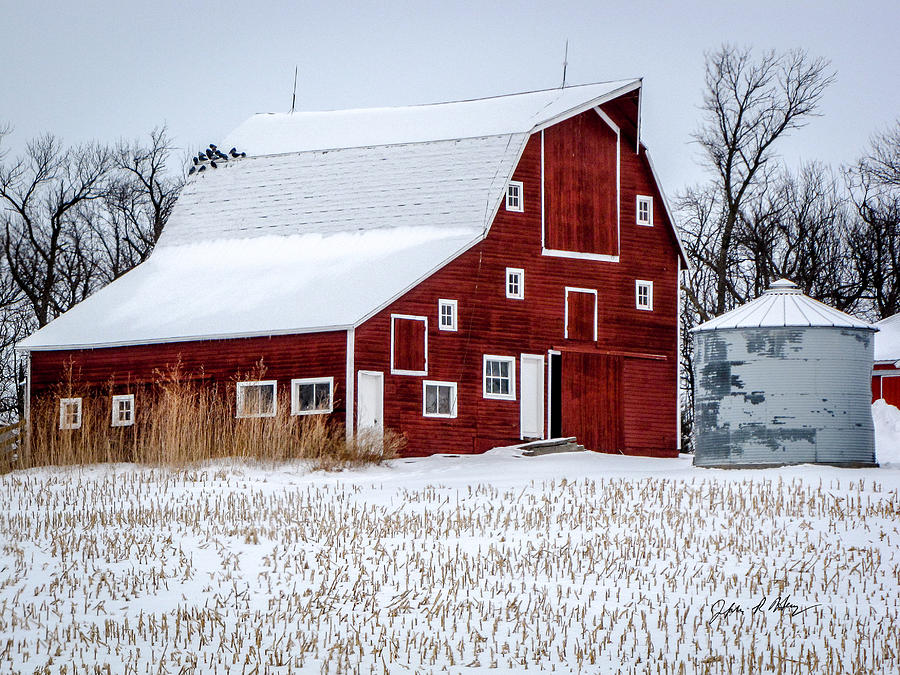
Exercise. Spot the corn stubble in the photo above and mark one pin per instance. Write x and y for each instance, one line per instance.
(231, 568)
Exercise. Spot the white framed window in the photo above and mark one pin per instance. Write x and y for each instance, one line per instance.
(438, 399)
(447, 314)
(515, 283)
(515, 196)
(643, 295)
(256, 398)
(500, 377)
(312, 395)
(644, 210)
(123, 410)
(70, 413)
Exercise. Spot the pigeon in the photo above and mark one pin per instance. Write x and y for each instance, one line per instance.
(213, 164)
(209, 154)
(202, 168)
(212, 146)
(192, 170)
(233, 152)
(195, 161)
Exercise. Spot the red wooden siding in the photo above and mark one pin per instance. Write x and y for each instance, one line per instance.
(409, 344)
(581, 315)
(580, 186)
(592, 400)
(282, 358)
(490, 323)
(890, 390)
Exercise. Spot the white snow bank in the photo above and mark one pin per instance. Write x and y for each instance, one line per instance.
(887, 432)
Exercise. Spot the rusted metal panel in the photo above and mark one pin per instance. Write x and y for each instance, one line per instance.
(783, 395)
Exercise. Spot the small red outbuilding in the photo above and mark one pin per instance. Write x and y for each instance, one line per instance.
(886, 373)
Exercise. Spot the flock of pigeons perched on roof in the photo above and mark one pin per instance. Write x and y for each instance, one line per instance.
(209, 157)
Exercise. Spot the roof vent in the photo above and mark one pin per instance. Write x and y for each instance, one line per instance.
(784, 287)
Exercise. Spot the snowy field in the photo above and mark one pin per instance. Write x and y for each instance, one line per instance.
(564, 563)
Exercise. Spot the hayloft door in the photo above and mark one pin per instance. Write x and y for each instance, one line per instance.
(531, 383)
(369, 400)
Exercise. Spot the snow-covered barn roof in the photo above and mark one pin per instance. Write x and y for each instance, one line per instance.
(330, 217)
(887, 339)
(783, 304)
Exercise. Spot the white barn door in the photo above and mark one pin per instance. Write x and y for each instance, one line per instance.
(370, 400)
(531, 389)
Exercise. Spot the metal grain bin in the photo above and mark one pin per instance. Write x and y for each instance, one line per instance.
(783, 379)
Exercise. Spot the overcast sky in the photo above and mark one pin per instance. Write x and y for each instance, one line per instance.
(116, 68)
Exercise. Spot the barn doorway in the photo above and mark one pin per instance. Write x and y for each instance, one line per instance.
(370, 400)
(554, 395)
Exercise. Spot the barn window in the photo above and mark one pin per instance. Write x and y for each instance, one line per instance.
(447, 314)
(515, 196)
(581, 314)
(643, 295)
(644, 210)
(409, 345)
(439, 399)
(515, 283)
(70, 413)
(312, 396)
(500, 377)
(256, 399)
(123, 410)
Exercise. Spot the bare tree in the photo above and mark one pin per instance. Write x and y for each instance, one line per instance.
(875, 237)
(44, 242)
(748, 105)
(137, 203)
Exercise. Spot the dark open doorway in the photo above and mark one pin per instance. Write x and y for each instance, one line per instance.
(555, 395)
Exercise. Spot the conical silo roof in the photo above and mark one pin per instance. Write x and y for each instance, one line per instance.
(783, 304)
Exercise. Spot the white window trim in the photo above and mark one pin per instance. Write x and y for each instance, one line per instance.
(637, 210)
(640, 283)
(63, 423)
(115, 421)
(424, 319)
(453, 304)
(511, 396)
(573, 289)
(521, 272)
(599, 257)
(295, 398)
(435, 383)
(254, 383)
(521, 188)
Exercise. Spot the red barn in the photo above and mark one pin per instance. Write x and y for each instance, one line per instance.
(886, 373)
(470, 274)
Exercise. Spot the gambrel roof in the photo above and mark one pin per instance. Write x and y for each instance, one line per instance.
(330, 217)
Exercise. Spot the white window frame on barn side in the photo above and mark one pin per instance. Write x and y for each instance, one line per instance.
(315, 382)
(485, 376)
(647, 286)
(67, 421)
(241, 386)
(118, 419)
(452, 306)
(426, 384)
(644, 200)
(515, 196)
(515, 290)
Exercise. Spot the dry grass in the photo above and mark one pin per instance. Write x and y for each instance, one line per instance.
(179, 422)
(232, 570)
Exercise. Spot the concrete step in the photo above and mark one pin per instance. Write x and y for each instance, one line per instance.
(551, 446)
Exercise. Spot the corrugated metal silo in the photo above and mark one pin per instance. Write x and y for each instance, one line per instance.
(783, 379)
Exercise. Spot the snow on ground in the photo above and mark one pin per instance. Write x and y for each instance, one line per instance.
(887, 433)
(575, 562)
